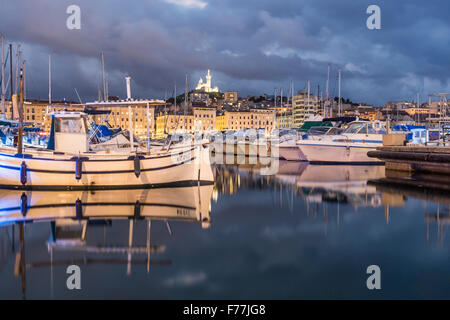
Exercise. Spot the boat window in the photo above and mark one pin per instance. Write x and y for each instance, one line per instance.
(356, 127)
(371, 129)
(333, 131)
(69, 125)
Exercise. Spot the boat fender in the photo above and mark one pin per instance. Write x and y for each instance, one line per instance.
(78, 168)
(23, 173)
(137, 210)
(24, 204)
(78, 209)
(137, 166)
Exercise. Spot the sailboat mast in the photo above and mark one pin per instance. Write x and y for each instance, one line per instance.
(49, 81)
(3, 75)
(185, 102)
(292, 103)
(275, 106)
(20, 134)
(327, 90)
(339, 93)
(281, 105)
(24, 90)
(11, 70)
(103, 75)
(309, 90)
(176, 119)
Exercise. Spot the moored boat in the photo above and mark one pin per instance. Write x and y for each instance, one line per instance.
(68, 163)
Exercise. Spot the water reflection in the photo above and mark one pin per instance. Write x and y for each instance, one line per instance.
(313, 183)
(72, 215)
(248, 236)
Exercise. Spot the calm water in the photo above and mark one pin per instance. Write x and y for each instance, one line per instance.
(307, 232)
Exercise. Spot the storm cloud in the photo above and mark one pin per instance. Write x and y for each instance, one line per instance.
(251, 46)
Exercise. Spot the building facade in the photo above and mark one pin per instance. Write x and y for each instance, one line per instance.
(230, 96)
(304, 107)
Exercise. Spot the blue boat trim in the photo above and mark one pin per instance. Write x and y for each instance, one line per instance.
(175, 184)
(335, 146)
(96, 204)
(95, 160)
(98, 172)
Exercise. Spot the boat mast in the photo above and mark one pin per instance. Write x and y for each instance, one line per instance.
(24, 81)
(418, 105)
(292, 103)
(275, 105)
(339, 103)
(185, 102)
(18, 64)
(20, 134)
(2, 36)
(148, 127)
(10, 70)
(309, 92)
(50, 82)
(281, 105)
(327, 93)
(175, 107)
(103, 76)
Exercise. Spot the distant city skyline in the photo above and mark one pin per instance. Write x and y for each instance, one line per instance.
(250, 46)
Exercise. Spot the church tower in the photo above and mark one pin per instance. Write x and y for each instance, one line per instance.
(208, 79)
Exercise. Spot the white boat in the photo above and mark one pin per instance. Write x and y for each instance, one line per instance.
(351, 146)
(290, 151)
(69, 164)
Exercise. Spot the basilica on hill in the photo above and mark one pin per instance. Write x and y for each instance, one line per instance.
(206, 86)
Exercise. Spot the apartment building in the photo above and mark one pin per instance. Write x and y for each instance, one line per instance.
(304, 107)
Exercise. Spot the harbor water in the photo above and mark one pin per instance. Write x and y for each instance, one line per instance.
(306, 232)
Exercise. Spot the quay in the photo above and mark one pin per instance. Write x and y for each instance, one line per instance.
(426, 159)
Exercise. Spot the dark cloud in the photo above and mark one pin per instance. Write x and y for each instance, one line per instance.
(252, 46)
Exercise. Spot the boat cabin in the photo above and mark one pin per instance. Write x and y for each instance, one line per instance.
(70, 132)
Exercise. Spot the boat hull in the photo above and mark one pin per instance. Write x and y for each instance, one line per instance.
(337, 153)
(47, 171)
(291, 152)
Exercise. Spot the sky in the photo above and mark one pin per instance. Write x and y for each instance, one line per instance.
(251, 46)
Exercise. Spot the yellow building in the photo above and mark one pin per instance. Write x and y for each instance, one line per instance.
(167, 124)
(204, 118)
(284, 121)
(241, 120)
(36, 112)
(413, 111)
(221, 122)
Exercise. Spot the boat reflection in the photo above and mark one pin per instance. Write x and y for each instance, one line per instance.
(314, 183)
(72, 215)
